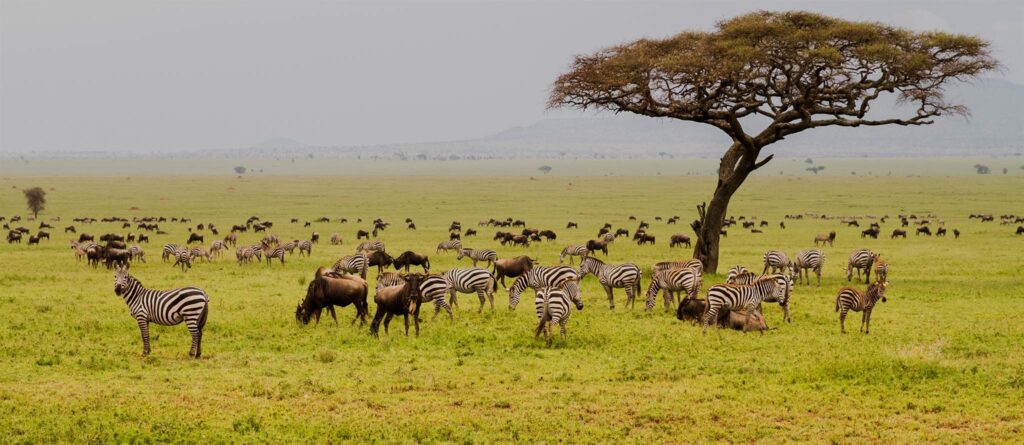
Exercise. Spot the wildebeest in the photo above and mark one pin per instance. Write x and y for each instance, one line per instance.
(512, 268)
(454, 236)
(379, 259)
(645, 238)
(32, 239)
(314, 238)
(1020, 230)
(116, 257)
(941, 231)
(693, 310)
(412, 226)
(898, 233)
(13, 237)
(679, 239)
(360, 234)
(548, 235)
(410, 258)
(822, 239)
(70, 229)
(956, 233)
(872, 232)
(572, 225)
(112, 237)
(470, 232)
(595, 245)
(402, 300)
(621, 232)
(328, 290)
(925, 230)
(194, 238)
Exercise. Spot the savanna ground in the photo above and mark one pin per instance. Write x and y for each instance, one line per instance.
(942, 363)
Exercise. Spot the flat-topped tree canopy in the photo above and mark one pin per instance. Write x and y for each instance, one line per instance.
(781, 72)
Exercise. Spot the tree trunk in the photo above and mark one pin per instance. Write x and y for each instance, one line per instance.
(734, 168)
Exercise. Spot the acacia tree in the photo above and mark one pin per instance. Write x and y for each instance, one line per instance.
(763, 76)
(35, 198)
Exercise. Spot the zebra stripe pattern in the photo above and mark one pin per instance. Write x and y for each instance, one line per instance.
(571, 251)
(472, 280)
(857, 301)
(307, 247)
(171, 251)
(537, 278)
(694, 264)
(371, 246)
(777, 261)
(355, 264)
(136, 252)
(860, 260)
(881, 269)
(737, 273)
(673, 280)
(164, 307)
(807, 261)
(552, 306)
(740, 297)
(433, 288)
(613, 276)
(488, 255)
(183, 258)
(455, 245)
(199, 252)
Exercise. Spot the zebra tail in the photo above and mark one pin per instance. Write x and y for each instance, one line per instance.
(837, 303)
(494, 282)
(543, 318)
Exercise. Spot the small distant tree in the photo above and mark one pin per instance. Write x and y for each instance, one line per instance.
(809, 161)
(1005, 170)
(982, 169)
(35, 197)
(816, 169)
(545, 169)
(240, 170)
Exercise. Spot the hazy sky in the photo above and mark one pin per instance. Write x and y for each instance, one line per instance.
(178, 75)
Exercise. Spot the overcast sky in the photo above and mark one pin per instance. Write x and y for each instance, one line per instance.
(180, 75)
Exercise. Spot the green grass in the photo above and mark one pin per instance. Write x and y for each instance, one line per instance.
(942, 363)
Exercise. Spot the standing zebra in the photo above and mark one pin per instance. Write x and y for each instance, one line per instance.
(777, 261)
(571, 251)
(860, 260)
(164, 307)
(351, 264)
(538, 278)
(217, 248)
(488, 255)
(738, 297)
(881, 268)
(739, 275)
(306, 246)
(471, 280)
(806, 261)
(552, 305)
(694, 264)
(184, 258)
(432, 288)
(276, 252)
(857, 301)
(199, 252)
(454, 244)
(673, 280)
(136, 252)
(171, 251)
(371, 246)
(612, 276)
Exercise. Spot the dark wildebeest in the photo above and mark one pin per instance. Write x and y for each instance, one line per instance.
(116, 245)
(69, 229)
(679, 239)
(42, 235)
(379, 259)
(360, 234)
(872, 232)
(402, 300)
(195, 238)
(111, 237)
(594, 246)
(410, 258)
(143, 238)
(328, 290)
(898, 233)
(1020, 230)
(941, 231)
(470, 232)
(956, 233)
(314, 238)
(238, 228)
(693, 309)
(32, 239)
(85, 237)
(454, 236)
(116, 257)
(603, 231)
(645, 238)
(412, 226)
(621, 232)
(925, 230)
(520, 240)
(512, 268)
(548, 235)
(572, 225)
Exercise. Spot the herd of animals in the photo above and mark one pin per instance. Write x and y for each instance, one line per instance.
(735, 304)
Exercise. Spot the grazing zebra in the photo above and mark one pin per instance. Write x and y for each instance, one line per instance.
(217, 248)
(552, 305)
(571, 251)
(371, 246)
(673, 280)
(355, 264)
(777, 260)
(164, 307)
(881, 269)
(277, 252)
(199, 252)
(806, 261)
(183, 258)
(472, 280)
(454, 244)
(335, 239)
(171, 251)
(306, 246)
(537, 278)
(857, 301)
(611, 276)
(738, 297)
(487, 255)
(290, 246)
(136, 252)
(432, 288)
(694, 264)
(737, 273)
(860, 260)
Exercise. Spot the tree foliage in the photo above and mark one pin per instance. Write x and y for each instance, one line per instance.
(35, 198)
(241, 170)
(545, 169)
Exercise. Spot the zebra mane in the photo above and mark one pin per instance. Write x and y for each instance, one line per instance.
(590, 258)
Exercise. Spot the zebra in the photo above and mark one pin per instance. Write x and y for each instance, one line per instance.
(351, 264)
(171, 251)
(184, 258)
(199, 252)
(739, 273)
(537, 278)
(741, 297)
(860, 260)
(243, 255)
(454, 244)
(777, 260)
(806, 261)
(290, 246)
(881, 268)
(217, 248)
(571, 251)
(164, 307)
(611, 276)
(552, 305)
(857, 301)
(136, 252)
(471, 280)
(673, 280)
(488, 255)
(433, 288)
(371, 246)
(306, 246)
(277, 252)
(695, 264)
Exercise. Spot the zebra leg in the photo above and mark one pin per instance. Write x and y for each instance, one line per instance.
(818, 273)
(451, 298)
(483, 301)
(710, 316)
(611, 298)
(144, 329)
(562, 324)
(549, 335)
(842, 320)
(193, 329)
(867, 327)
(867, 275)
(785, 311)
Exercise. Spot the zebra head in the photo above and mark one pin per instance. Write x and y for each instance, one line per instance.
(121, 280)
(572, 290)
(588, 265)
(784, 286)
(879, 289)
(462, 254)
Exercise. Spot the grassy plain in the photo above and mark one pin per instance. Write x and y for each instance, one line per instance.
(943, 362)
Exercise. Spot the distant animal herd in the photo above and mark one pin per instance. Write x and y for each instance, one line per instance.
(734, 304)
